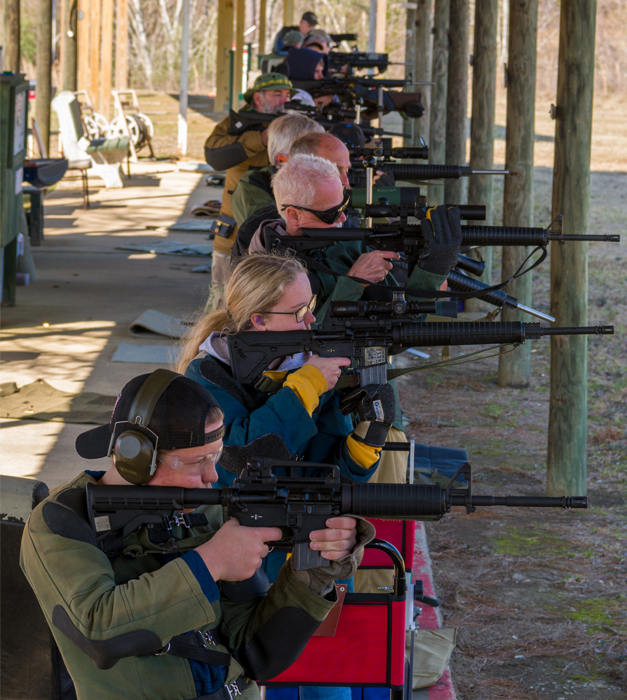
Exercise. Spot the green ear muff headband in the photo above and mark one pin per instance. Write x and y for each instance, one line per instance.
(148, 396)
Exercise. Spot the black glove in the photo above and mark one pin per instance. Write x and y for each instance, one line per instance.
(374, 403)
(442, 234)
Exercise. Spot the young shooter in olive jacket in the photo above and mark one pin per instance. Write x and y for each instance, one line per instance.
(150, 620)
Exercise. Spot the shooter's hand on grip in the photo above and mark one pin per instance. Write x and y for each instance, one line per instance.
(373, 266)
(442, 234)
(322, 579)
(375, 403)
(330, 367)
(235, 552)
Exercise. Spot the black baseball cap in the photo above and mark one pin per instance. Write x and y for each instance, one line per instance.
(178, 419)
(351, 135)
(310, 18)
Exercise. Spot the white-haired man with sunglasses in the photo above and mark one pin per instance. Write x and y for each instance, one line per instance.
(309, 194)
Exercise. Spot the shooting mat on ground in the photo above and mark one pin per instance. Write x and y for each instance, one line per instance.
(41, 401)
(195, 225)
(170, 248)
(154, 323)
(146, 354)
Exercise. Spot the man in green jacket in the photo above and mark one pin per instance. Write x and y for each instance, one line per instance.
(149, 614)
(238, 153)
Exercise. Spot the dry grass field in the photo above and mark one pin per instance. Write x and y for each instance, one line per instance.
(539, 597)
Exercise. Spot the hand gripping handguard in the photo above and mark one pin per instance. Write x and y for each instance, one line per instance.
(374, 403)
(442, 233)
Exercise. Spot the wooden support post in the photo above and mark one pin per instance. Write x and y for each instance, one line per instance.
(69, 51)
(377, 26)
(568, 407)
(182, 135)
(223, 44)
(288, 13)
(457, 96)
(107, 56)
(94, 53)
(261, 32)
(83, 40)
(423, 57)
(410, 53)
(382, 11)
(44, 70)
(515, 367)
(11, 47)
(121, 46)
(481, 187)
(240, 21)
(62, 14)
(439, 75)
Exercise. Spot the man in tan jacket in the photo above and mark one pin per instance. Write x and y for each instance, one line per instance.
(237, 154)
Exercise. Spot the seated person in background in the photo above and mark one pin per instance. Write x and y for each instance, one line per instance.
(350, 135)
(318, 40)
(254, 190)
(276, 61)
(237, 154)
(159, 623)
(308, 22)
(307, 64)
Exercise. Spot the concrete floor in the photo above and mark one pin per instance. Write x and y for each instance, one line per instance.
(89, 292)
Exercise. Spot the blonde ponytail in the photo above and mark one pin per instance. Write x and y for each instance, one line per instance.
(256, 285)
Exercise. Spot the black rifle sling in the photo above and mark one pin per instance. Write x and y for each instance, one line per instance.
(429, 293)
(217, 373)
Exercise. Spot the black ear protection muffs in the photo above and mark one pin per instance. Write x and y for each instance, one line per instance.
(135, 451)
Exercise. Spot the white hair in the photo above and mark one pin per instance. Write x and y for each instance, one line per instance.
(284, 130)
(298, 180)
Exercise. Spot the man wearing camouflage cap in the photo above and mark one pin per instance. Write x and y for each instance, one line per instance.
(237, 154)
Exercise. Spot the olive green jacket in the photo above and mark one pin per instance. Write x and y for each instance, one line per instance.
(253, 192)
(136, 593)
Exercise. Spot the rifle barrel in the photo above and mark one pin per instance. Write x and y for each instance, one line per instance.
(521, 501)
(606, 237)
(407, 501)
(416, 334)
(462, 283)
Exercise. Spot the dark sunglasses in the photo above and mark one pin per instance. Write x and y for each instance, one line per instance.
(328, 216)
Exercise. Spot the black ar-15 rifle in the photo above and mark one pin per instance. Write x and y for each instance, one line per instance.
(385, 153)
(239, 122)
(415, 173)
(359, 59)
(369, 337)
(298, 505)
(408, 239)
